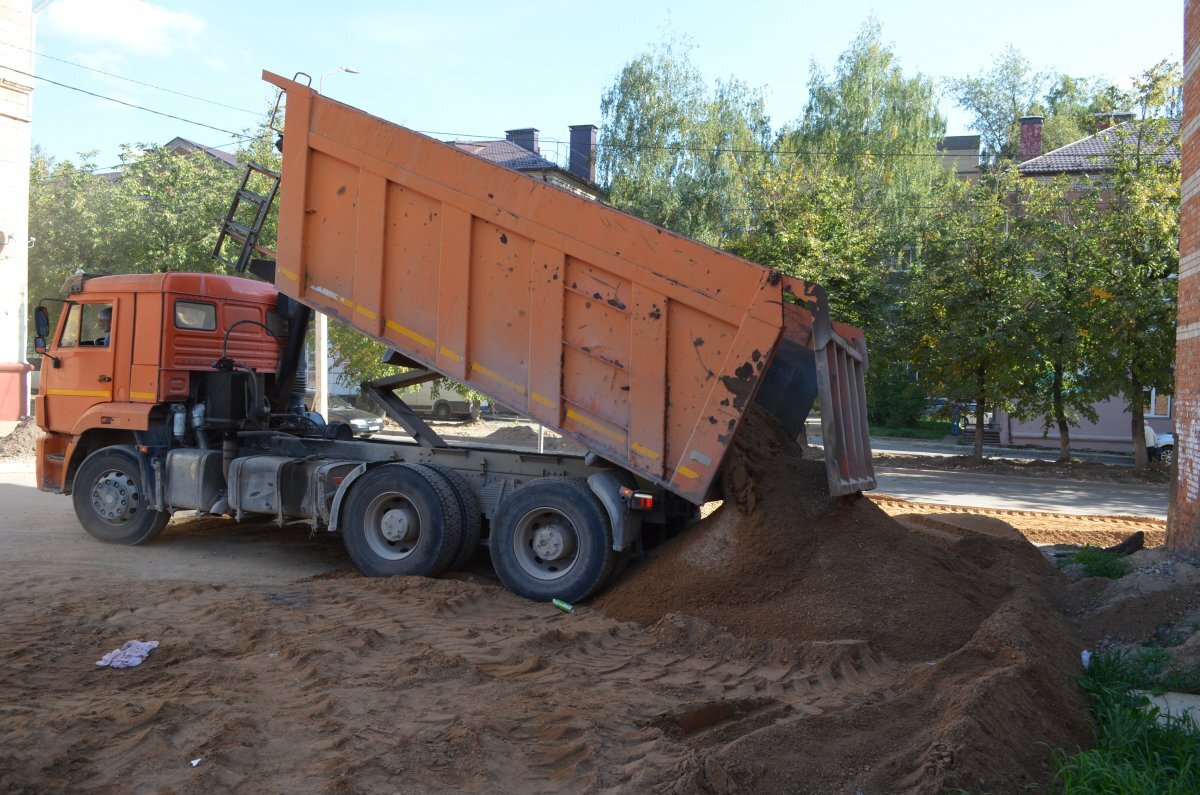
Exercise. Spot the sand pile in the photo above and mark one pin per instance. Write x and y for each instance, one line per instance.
(22, 441)
(992, 660)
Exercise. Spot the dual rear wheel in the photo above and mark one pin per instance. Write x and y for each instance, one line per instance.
(551, 539)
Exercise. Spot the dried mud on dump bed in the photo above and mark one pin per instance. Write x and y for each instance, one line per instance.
(789, 642)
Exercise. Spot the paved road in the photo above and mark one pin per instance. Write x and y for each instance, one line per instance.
(1023, 493)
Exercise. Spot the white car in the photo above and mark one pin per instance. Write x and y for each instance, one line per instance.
(1163, 446)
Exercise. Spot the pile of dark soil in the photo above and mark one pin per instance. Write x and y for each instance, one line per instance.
(991, 660)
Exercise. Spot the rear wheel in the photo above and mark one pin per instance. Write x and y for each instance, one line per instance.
(1166, 454)
(472, 514)
(552, 540)
(112, 501)
(400, 520)
(441, 411)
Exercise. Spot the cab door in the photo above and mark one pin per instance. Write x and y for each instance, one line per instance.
(85, 347)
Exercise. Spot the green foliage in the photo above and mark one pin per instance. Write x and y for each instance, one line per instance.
(1097, 562)
(896, 399)
(876, 127)
(1134, 752)
(998, 97)
(970, 294)
(678, 153)
(919, 429)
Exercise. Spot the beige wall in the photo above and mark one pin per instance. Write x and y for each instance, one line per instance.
(16, 45)
(1111, 431)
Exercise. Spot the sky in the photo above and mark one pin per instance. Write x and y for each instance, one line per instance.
(469, 69)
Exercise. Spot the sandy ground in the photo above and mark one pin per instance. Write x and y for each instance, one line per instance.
(798, 645)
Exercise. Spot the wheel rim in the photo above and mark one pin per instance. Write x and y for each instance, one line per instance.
(546, 544)
(393, 526)
(115, 497)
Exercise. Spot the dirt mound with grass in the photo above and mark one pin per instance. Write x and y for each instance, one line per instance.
(973, 626)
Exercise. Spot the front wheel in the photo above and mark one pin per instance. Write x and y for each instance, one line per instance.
(112, 501)
(1166, 454)
(552, 540)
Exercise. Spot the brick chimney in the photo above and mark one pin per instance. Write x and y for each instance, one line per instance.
(1031, 137)
(526, 139)
(582, 162)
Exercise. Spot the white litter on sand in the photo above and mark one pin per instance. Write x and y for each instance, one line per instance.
(129, 655)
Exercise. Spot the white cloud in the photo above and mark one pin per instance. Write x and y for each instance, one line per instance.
(133, 26)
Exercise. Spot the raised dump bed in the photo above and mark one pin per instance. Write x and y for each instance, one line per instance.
(645, 346)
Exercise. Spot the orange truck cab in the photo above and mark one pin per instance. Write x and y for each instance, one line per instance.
(117, 385)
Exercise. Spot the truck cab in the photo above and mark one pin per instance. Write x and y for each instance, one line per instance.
(100, 387)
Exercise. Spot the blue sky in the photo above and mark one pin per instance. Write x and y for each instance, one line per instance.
(475, 69)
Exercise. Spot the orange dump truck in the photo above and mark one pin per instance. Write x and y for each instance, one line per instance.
(181, 391)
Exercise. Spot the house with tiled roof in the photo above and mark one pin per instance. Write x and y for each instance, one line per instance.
(182, 146)
(1091, 157)
(521, 151)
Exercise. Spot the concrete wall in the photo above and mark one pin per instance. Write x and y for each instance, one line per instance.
(16, 45)
(1110, 432)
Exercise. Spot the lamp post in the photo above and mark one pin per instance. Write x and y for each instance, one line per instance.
(321, 385)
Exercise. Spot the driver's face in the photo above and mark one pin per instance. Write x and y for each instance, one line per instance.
(105, 320)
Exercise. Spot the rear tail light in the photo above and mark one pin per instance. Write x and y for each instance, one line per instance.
(637, 500)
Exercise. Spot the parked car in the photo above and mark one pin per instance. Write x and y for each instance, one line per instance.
(1160, 446)
(440, 401)
(363, 423)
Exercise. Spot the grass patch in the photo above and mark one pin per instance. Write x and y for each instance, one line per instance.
(1134, 753)
(924, 429)
(1098, 563)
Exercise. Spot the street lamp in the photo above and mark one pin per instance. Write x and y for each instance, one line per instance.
(321, 387)
(350, 70)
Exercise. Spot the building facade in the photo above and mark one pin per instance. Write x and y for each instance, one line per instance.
(16, 89)
(1183, 534)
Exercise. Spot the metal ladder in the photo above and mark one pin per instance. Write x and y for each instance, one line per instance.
(247, 235)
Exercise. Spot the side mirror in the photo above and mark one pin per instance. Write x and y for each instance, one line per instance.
(41, 321)
(39, 345)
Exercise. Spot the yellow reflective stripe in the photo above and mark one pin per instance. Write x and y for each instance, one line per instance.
(497, 377)
(687, 473)
(537, 398)
(589, 422)
(647, 452)
(362, 310)
(449, 353)
(143, 395)
(79, 392)
(289, 274)
(396, 327)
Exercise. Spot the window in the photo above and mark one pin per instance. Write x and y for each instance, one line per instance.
(70, 335)
(193, 315)
(87, 325)
(1158, 404)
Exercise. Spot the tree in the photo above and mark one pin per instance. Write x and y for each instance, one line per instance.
(1062, 240)
(876, 126)
(678, 154)
(999, 97)
(870, 134)
(969, 299)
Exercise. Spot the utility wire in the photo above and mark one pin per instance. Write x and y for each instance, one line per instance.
(122, 102)
(139, 82)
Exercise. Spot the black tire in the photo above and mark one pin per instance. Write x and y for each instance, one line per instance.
(551, 539)
(112, 501)
(472, 514)
(441, 411)
(1166, 454)
(400, 520)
